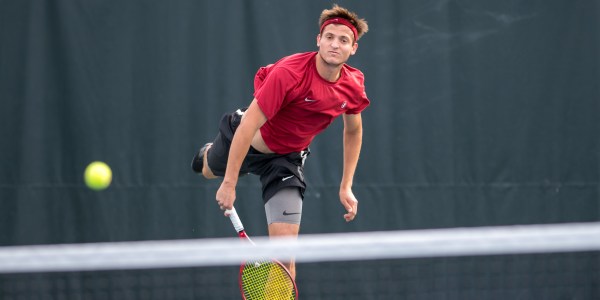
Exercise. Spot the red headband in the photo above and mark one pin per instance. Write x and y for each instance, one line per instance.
(343, 22)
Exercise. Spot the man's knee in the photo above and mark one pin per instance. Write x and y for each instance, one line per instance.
(283, 229)
(206, 171)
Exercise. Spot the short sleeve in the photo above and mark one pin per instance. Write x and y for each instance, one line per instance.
(271, 89)
(362, 101)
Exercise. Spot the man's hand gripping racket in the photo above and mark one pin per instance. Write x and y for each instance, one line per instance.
(263, 278)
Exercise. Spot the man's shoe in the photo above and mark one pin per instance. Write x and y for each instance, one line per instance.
(198, 160)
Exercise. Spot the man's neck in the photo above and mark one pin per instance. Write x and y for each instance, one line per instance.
(328, 72)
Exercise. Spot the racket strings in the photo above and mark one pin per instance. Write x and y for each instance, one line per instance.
(266, 280)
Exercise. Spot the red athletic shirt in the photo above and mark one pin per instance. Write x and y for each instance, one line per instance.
(299, 103)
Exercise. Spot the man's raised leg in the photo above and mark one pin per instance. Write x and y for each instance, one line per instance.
(206, 171)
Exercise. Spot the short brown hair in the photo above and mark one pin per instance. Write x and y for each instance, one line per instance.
(339, 12)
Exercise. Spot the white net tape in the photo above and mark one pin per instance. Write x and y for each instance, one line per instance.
(502, 240)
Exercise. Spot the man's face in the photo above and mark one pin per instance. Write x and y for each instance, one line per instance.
(336, 44)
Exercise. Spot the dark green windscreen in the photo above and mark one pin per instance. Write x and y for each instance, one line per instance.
(482, 113)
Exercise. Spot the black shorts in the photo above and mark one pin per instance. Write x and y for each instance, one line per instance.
(276, 171)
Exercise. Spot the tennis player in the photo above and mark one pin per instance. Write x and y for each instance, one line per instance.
(295, 99)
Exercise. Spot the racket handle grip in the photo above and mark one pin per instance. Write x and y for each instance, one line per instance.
(235, 220)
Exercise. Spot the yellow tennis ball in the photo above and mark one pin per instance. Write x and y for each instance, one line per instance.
(97, 176)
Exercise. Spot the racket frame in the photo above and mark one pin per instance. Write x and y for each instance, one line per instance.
(239, 228)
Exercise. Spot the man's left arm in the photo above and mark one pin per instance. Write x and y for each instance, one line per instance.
(352, 145)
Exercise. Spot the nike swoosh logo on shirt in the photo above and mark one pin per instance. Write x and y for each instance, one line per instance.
(309, 100)
(286, 178)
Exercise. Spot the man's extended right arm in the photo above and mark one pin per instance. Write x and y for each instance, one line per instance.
(253, 119)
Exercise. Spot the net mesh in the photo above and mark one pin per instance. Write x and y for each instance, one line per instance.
(514, 267)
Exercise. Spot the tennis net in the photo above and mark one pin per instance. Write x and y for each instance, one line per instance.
(559, 261)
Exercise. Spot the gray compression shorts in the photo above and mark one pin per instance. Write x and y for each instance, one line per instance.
(285, 206)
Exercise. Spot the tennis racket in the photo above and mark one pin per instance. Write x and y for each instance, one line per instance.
(262, 278)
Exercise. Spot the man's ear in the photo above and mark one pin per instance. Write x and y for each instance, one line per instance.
(319, 40)
(354, 48)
